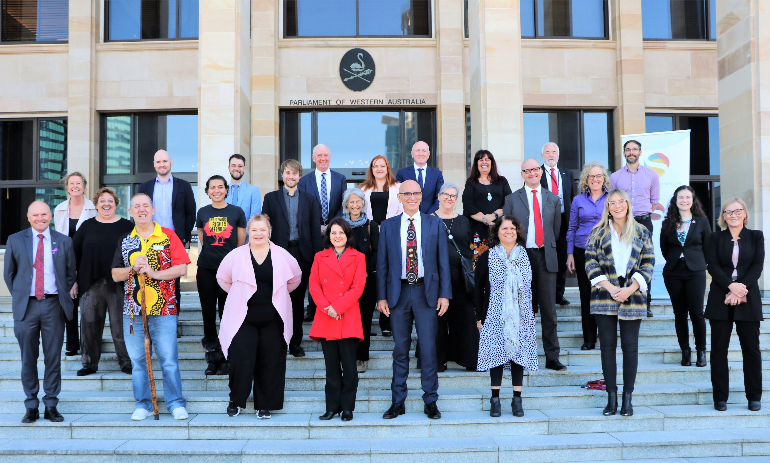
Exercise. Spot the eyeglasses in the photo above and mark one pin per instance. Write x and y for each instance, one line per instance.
(448, 196)
(619, 202)
(530, 171)
(596, 177)
(735, 212)
(411, 194)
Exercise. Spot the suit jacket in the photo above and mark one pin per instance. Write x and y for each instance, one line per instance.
(19, 266)
(719, 257)
(435, 262)
(182, 206)
(517, 205)
(433, 180)
(249, 199)
(308, 218)
(567, 181)
(338, 184)
(694, 245)
(338, 283)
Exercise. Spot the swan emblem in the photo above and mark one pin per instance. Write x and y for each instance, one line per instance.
(356, 66)
(353, 67)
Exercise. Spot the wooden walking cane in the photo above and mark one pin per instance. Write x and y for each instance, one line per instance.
(142, 304)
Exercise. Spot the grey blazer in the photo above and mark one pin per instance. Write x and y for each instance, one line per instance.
(516, 204)
(19, 265)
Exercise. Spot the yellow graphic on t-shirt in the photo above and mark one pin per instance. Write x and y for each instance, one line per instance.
(217, 224)
(219, 229)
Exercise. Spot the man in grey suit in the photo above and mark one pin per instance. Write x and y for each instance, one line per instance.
(40, 272)
(541, 228)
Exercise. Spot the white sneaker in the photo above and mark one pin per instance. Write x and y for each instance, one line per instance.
(180, 413)
(139, 414)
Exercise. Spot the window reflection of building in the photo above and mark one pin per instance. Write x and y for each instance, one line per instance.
(391, 140)
(31, 20)
(53, 149)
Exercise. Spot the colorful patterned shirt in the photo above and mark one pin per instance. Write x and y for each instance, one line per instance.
(163, 250)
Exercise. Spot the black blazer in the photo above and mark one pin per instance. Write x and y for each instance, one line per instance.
(182, 206)
(308, 219)
(694, 245)
(719, 256)
(367, 242)
(567, 182)
(337, 184)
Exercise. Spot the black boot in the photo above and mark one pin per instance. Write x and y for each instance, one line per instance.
(686, 354)
(612, 403)
(223, 369)
(516, 407)
(627, 409)
(494, 407)
(214, 355)
(701, 362)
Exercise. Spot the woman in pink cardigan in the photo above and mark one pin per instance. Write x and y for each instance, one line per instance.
(257, 321)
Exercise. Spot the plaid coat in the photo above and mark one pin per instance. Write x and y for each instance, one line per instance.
(599, 262)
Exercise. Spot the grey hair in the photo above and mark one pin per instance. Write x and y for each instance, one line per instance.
(321, 145)
(542, 151)
(448, 186)
(346, 195)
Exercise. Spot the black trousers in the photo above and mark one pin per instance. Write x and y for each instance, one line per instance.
(584, 284)
(748, 335)
(72, 329)
(561, 255)
(517, 374)
(100, 299)
(647, 222)
(341, 374)
(629, 343)
(686, 289)
(384, 322)
(298, 296)
(258, 356)
(211, 295)
(366, 304)
(543, 291)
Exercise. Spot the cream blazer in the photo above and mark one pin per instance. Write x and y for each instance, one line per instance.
(61, 216)
(394, 205)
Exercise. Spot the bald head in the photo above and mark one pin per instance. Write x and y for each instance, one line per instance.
(410, 195)
(531, 173)
(162, 163)
(39, 215)
(420, 153)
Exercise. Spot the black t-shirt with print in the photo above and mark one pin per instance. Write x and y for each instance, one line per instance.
(219, 228)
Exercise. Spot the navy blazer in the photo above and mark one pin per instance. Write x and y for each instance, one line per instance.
(435, 260)
(338, 185)
(183, 211)
(19, 265)
(434, 179)
(308, 217)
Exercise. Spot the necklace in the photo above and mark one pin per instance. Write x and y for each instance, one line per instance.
(489, 193)
(448, 229)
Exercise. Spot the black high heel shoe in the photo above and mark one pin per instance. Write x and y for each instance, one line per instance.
(328, 415)
(347, 416)
(612, 403)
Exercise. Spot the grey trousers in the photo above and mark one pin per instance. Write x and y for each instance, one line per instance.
(44, 317)
(100, 299)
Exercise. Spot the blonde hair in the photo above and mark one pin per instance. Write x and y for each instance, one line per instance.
(628, 233)
(733, 200)
(67, 178)
(583, 184)
(260, 218)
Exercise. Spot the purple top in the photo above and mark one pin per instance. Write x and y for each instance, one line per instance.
(584, 214)
(642, 186)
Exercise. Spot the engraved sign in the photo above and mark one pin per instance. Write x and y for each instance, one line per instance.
(357, 69)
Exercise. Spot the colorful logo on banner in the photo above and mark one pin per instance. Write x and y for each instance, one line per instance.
(658, 162)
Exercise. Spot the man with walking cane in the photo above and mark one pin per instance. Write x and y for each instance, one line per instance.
(155, 256)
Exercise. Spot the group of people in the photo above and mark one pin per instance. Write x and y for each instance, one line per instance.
(472, 284)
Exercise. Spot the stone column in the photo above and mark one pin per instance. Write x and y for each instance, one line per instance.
(743, 53)
(224, 107)
(82, 118)
(264, 88)
(496, 83)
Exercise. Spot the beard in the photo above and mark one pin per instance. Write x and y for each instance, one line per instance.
(236, 176)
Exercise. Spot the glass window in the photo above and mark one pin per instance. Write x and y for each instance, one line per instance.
(17, 150)
(350, 18)
(564, 18)
(177, 134)
(468, 154)
(704, 138)
(53, 149)
(124, 194)
(34, 20)
(659, 123)
(118, 145)
(152, 19)
(678, 20)
(465, 21)
(596, 135)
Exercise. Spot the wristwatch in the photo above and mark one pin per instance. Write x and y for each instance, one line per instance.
(497, 216)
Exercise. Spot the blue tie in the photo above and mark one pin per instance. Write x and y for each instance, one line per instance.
(419, 178)
(324, 199)
(235, 193)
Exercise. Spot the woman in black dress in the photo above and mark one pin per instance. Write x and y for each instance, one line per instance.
(483, 198)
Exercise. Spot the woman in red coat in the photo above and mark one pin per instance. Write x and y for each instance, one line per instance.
(337, 280)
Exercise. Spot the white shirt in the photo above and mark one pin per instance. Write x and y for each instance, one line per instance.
(417, 174)
(404, 227)
(328, 174)
(49, 277)
(621, 254)
(549, 180)
(531, 226)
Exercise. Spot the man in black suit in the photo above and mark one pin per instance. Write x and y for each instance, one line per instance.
(173, 201)
(295, 221)
(40, 273)
(327, 186)
(429, 179)
(559, 182)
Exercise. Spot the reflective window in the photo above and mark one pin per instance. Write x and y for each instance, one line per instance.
(151, 19)
(17, 153)
(53, 149)
(564, 18)
(468, 154)
(679, 19)
(346, 18)
(354, 138)
(659, 123)
(177, 134)
(34, 20)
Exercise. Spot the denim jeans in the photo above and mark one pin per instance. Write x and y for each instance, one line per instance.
(163, 337)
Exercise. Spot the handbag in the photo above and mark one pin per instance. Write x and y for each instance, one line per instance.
(469, 275)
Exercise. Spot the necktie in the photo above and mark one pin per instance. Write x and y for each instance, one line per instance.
(554, 182)
(419, 178)
(39, 270)
(324, 199)
(235, 193)
(539, 240)
(411, 253)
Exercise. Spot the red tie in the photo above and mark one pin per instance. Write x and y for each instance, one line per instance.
(39, 270)
(539, 241)
(554, 182)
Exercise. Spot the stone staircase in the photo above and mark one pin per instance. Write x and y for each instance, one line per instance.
(674, 420)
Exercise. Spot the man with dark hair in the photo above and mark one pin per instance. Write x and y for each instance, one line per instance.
(643, 187)
(242, 194)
